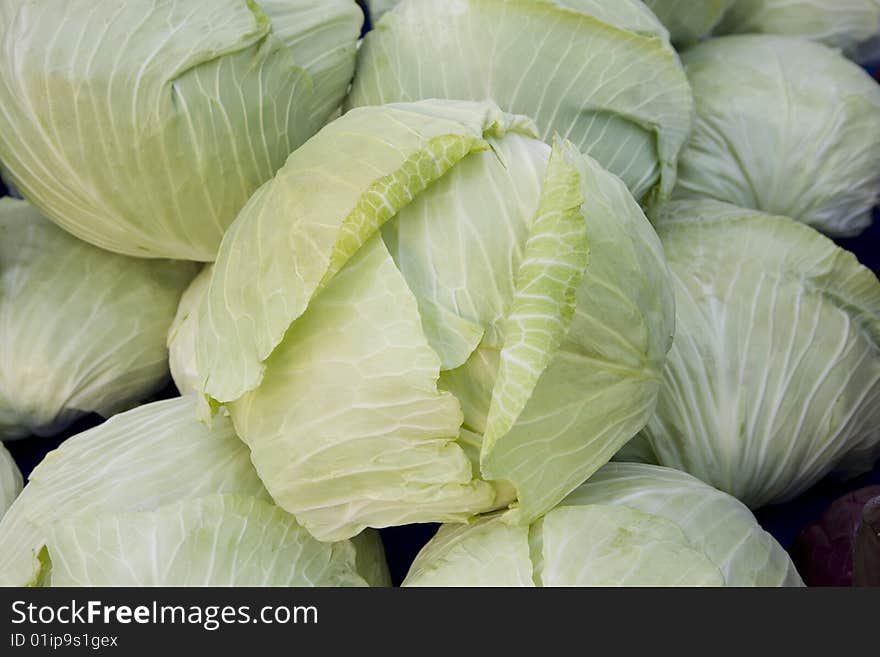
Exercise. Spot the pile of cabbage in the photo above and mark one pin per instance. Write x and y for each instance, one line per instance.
(556, 274)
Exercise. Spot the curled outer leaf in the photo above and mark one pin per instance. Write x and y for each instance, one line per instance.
(293, 236)
(600, 383)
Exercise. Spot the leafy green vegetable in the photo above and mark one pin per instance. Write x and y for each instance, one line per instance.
(773, 379)
(600, 74)
(153, 497)
(143, 127)
(629, 525)
(689, 20)
(852, 26)
(784, 126)
(82, 330)
(499, 338)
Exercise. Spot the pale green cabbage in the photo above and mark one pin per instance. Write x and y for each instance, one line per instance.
(853, 26)
(784, 126)
(82, 330)
(689, 20)
(501, 338)
(600, 74)
(143, 127)
(774, 375)
(628, 525)
(182, 335)
(10, 480)
(153, 497)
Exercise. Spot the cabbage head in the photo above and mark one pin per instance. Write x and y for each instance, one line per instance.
(143, 126)
(773, 379)
(784, 126)
(600, 74)
(689, 20)
(429, 313)
(82, 330)
(10, 480)
(630, 524)
(852, 26)
(153, 497)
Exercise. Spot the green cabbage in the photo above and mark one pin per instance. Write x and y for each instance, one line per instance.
(143, 126)
(852, 26)
(600, 74)
(10, 480)
(629, 525)
(774, 375)
(784, 126)
(153, 497)
(82, 330)
(177, 545)
(500, 339)
(10, 188)
(689, 20)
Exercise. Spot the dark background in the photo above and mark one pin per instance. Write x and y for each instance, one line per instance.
(784, 521)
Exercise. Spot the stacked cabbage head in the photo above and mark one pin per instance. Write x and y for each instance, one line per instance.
(429, 313)
(152, 497)
(689, 20)
(784, 126)
(629, 525)
(600, 74)
(773, 379)
(82, 330)
(852, 26)
(143, 126)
